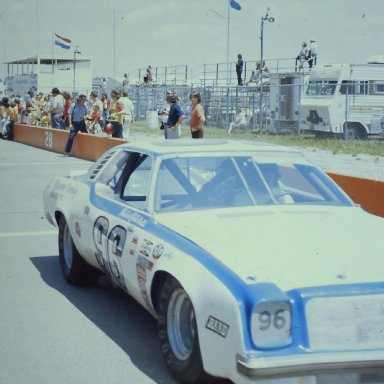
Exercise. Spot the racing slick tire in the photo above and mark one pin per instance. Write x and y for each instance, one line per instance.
(75, 270)
(178, 336)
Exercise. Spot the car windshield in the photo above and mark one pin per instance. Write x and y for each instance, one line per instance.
(186, 183)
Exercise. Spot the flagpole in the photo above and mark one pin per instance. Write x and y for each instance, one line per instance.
(227, 117)
(53, 44)
(228, 44)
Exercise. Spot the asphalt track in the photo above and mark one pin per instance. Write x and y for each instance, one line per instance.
(51, 332)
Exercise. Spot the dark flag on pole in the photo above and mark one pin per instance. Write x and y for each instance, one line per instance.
(235, 5)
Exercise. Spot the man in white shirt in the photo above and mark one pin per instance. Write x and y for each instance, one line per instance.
(57, 108)
(129, 113)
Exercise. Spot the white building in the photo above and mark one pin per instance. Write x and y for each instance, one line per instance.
(42, 73)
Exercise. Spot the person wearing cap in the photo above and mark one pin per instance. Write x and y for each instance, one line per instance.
(57, 108)
(76, 119)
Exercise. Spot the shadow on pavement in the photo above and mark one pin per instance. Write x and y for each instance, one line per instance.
(117, 315)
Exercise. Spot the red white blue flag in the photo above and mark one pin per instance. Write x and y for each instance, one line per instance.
(63, 42)
(235, 5)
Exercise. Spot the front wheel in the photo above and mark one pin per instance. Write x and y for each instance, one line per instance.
(178, 336)
(75, 270)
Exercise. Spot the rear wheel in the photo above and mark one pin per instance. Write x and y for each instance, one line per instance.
(75, 270)
(178, 336)
(355, 131)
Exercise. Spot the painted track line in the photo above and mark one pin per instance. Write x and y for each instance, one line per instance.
(27, 234)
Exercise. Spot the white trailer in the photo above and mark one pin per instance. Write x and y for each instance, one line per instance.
(42, 73)
(344, 99)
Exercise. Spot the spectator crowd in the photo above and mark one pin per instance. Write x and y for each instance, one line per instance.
(58, 109)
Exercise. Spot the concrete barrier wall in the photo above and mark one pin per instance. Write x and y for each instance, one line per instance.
(85, 146)
(368, 193)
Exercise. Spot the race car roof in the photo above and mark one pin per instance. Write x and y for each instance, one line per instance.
(161, 147)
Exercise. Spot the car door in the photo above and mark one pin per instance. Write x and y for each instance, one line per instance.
(120, 225)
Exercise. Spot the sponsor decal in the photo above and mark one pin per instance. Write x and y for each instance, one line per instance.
(146, 247)
(133, 217)
(144, 252)
(142, 280)
(144, 262)
(158, 251)
(134, 242)
(217, 326)
(78, 231)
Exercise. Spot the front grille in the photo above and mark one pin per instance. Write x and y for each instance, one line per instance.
(348, 323)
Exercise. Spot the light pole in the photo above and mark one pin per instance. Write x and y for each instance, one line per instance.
(76, 52)
(271, 20)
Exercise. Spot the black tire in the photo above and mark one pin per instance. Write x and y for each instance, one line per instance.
(75, 270)
(178, 336)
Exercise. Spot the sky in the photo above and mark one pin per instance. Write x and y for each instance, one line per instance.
(121, 36)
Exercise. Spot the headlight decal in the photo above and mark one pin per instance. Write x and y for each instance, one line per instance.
(271, 324)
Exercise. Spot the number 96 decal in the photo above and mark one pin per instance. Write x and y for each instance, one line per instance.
(271, 324)
(109, 248)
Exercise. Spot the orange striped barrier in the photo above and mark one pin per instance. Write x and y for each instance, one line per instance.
(368, 193)
(86, 146)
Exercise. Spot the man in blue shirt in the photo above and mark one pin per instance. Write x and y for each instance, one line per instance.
(76, 120)
(175, 118)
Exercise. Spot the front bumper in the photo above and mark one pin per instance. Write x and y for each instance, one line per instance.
(304, 364)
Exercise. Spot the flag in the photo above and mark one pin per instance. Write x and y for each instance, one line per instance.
(62, 41)
(235, 5)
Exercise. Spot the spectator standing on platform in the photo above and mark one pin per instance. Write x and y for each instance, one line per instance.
(125, 82)
(312, 61)
(197, 118)
(175, 117)
(262, 71)
(76, 119)
(129, 113)
(239, 69)
(302, 56)
(57, 108)
(148, 79)
(67, 104)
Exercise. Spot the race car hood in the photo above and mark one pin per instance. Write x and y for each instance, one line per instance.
(289, 246)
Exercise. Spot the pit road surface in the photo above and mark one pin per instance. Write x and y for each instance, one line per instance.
(52, 332)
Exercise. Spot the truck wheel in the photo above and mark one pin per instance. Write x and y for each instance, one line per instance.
(356, 131)
(177, 333)
(75, 270)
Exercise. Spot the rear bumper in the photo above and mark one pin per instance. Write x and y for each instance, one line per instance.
(314, 363)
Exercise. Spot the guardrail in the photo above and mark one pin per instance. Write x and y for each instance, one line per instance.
(366, 192)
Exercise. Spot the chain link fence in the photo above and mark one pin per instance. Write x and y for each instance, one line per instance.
(286, 103)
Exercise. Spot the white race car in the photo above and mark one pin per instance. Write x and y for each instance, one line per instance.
(258, 267)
